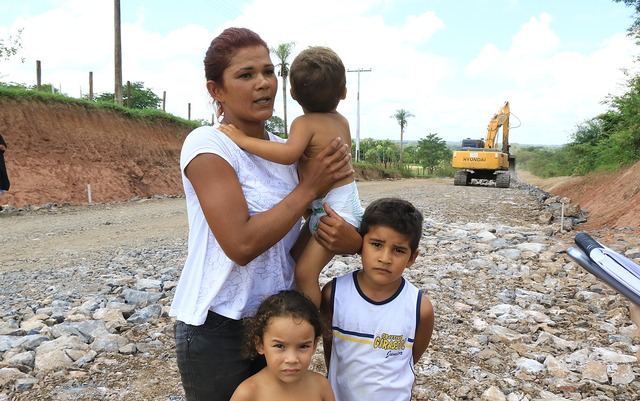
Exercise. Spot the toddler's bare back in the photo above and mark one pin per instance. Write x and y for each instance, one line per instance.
(325, 127)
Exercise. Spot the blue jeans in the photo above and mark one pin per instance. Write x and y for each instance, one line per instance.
(210, 358)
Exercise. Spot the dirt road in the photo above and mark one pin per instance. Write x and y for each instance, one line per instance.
(33, 240)
(91, 254)
(61, 236)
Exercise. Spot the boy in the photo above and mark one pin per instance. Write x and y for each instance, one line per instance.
(318, 83)
(381, 324)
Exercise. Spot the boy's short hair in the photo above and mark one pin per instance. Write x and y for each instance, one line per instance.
(397, 214)
(318, 79)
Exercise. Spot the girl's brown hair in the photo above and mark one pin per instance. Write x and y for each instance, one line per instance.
(285, 303)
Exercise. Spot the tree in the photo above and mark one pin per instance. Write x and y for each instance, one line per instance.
(432, 151)
(202, 121)
(379, 152)
(10, 47)
(410, 154)
(141, 97)
(401, 116)
(48, 88)
(282, 52)
(275, 125)
(589, 132)
(635, 4)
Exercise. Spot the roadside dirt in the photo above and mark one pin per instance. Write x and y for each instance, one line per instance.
(61, 154)
(53, 239)
(56, 239)
(612, 200)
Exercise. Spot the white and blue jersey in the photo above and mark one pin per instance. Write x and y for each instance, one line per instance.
(372, 346)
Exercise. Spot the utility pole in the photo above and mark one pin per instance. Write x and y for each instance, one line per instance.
(117, 53)
(359, 70)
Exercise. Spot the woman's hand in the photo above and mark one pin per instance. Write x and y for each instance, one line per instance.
(320, 173)
(335, 234)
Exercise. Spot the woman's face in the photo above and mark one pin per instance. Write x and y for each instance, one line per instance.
(250, 86)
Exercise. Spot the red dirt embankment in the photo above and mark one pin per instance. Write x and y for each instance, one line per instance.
(56, 150)
(612, 199)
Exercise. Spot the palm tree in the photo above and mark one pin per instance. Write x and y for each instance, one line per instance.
(401, 116)
(282, 52)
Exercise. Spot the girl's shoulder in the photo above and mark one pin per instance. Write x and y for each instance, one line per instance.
(319, 384)
(247, 390)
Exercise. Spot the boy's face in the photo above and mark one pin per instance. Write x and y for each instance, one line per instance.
(385, 255)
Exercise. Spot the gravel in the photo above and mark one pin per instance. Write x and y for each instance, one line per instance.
(516, 319)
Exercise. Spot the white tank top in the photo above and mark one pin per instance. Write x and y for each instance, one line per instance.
(209, 279)
(372, 347)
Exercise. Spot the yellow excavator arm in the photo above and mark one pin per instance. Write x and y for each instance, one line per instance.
(500, 119)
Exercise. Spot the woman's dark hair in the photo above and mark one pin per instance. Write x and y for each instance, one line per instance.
(222, 49)
(285, 303)
(224, 46)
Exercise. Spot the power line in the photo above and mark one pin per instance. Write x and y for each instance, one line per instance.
(228, 9)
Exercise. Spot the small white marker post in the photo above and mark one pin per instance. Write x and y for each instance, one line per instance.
(89, 192)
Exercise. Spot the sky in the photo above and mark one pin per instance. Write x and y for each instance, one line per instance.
(450, 64)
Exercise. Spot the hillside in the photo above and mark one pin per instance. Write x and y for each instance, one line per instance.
(57, 150)
(612, 200)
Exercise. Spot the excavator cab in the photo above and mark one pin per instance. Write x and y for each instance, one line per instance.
(472, 143)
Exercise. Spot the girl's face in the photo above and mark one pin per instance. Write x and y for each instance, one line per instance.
(288, 345)
(249, 90)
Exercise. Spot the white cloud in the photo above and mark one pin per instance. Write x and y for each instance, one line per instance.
(421, 28)
(552, 89)
(551, 86)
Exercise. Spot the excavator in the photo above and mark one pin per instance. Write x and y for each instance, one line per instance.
(481, 159)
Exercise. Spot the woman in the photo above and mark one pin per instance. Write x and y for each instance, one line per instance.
(244, 216)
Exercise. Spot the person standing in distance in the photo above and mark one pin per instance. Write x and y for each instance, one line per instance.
(4, 178)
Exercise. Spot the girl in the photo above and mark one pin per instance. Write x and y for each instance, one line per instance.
(285, 331)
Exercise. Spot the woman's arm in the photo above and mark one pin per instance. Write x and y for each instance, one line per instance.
(244, 237)
(278, 152)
